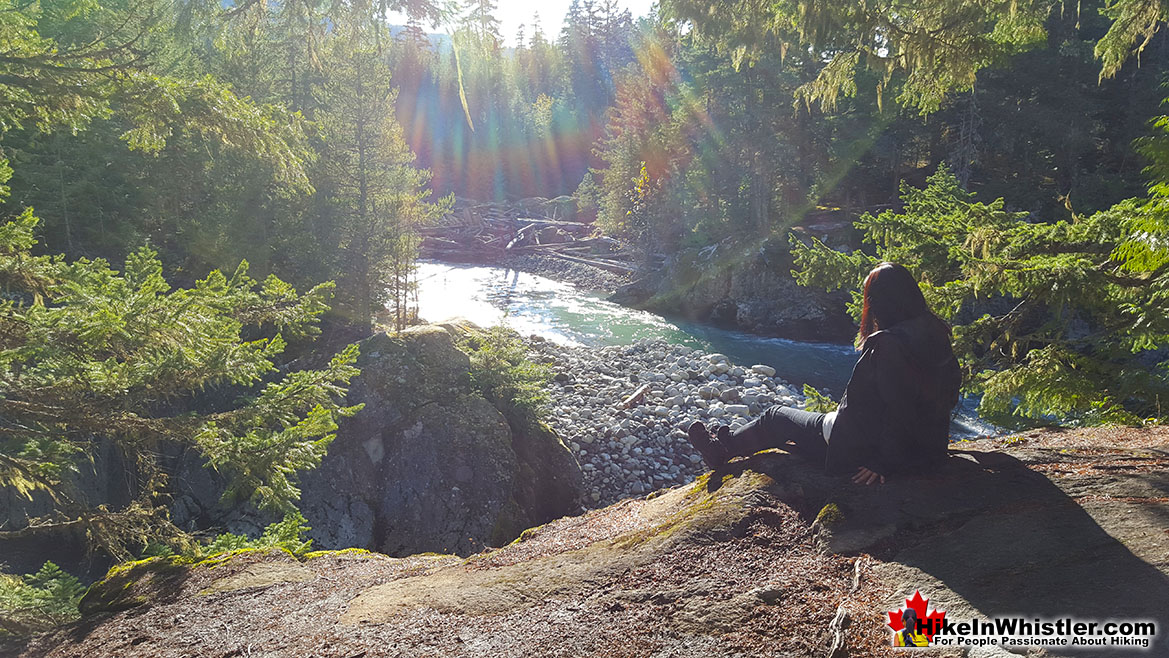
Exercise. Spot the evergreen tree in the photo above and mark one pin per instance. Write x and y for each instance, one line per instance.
(1053, 322)
(89, 354)
(374, 194)
(921, 50)
(480, 22)
(67, 62)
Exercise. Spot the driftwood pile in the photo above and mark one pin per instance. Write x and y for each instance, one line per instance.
(488, 232)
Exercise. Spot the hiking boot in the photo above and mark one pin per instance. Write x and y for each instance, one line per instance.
(712, 448)
(723, 436)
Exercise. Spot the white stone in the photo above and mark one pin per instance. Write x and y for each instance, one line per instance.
(766, 371)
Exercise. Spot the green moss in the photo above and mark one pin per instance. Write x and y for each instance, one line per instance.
(126, 585)
(527, 534)
(830, 515)
(356, 552)
(700, 486)
(125, 568)
(223, 558)
(680, 520)
(703, 509)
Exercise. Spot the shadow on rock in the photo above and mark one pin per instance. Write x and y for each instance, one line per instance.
(986, 535)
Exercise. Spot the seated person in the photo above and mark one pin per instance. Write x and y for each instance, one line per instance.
(894, 416)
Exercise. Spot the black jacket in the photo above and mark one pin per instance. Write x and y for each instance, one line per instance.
(895, 413)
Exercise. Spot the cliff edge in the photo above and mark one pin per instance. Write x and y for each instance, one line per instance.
(762, 558)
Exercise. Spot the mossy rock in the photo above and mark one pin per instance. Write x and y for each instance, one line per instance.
(667, 521)
(344, 552)
(829, 515)
(262, 574)
(430, 464)
(132, 584)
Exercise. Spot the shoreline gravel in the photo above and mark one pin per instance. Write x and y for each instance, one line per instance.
(631, 452)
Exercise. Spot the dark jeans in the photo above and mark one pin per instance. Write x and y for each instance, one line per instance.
(780, 427)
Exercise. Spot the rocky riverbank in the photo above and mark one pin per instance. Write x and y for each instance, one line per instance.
(581, 275)
(630, 452)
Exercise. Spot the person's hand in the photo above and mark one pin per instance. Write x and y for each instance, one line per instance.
(865, 476)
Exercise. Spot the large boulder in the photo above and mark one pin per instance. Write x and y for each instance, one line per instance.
(429, 465)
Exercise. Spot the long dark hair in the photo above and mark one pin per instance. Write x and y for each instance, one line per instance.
(909, 618)
(891, 296)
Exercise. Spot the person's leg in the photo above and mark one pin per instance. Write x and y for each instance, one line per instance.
(777, 427)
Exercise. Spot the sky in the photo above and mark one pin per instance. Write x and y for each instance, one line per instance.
(513, 13)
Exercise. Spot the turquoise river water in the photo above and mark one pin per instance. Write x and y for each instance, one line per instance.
(536, 305)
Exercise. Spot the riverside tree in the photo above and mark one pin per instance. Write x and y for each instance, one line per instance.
(374, 195)
(90, 355)
(82, 80)
(1053, 322)
(920, 50)
(1055, 319)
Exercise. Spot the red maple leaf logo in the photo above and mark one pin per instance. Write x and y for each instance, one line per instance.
(931, 622)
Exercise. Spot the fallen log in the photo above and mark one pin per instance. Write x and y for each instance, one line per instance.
(542, 223)
(520, 236)
(618, 268)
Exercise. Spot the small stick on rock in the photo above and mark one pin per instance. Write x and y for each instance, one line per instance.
(839, 623)
(858, 568)
(635, 397)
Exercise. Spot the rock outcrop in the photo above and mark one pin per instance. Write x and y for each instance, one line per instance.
(104, 480)
(764, 557)
(429, 465)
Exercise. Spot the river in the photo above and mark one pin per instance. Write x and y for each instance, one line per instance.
(536, 305)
